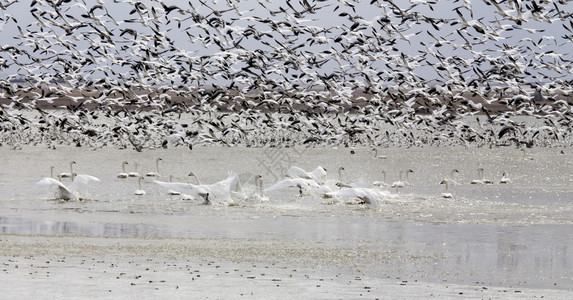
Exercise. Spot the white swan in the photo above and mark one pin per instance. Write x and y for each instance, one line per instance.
(219, 190)
(505, 178)
(259, 194)
(400, 183)
(62, 192)
(139, 191)
(68, 175)
(480, 176)
(191, 174)
(318, 174)
(341, 184)
(445, 194)
(70, 192)
(452, 179)
(134, 173)
(303, 184)
(123, 174)
(155, 174)
(376, 156)
(482, 180)
(364, 195)
(172, 192)
(381, 183)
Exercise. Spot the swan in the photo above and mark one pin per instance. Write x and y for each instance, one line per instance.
(302, 184)
(381, 183)
(505, 178)
(139, 191)
(376, 156)
(70, 192)
(62, 192)
(259, 191)
(400, 183)
(451, 179)
(340, 169)
(445, 194)
(482, 180)
(222, 189)
(172, 192)
(123, 174)
(341, 184)
(365, 195)
(191, 174)
(134, 173)
(480, 175)
(155, 174)
(318, 174)
(68, 175)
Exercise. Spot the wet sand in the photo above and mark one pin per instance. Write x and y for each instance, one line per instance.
(90, 267)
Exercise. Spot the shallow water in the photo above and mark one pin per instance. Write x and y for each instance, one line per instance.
(517, 234)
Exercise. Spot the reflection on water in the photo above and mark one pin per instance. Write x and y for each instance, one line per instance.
(533, 256)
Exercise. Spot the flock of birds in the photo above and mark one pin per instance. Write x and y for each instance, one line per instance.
(235, 189)
(149, 74)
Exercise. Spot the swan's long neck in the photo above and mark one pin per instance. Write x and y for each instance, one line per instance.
(384, 172)
(446, 183)
(139, 182)
(401, 174)
(52, 172)
(452, 174)
(157, 165)
(123, 166)
(340, 174)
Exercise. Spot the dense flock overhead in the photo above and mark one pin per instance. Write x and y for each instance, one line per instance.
(147, 74)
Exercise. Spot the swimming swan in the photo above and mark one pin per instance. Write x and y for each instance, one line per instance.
(155, 174)
(505, 178)
(381, 183)
(68, 175)
(139, 191)
(445, 194)
(376, 156)
(134, 173)
(400, 183)
(123, 174)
